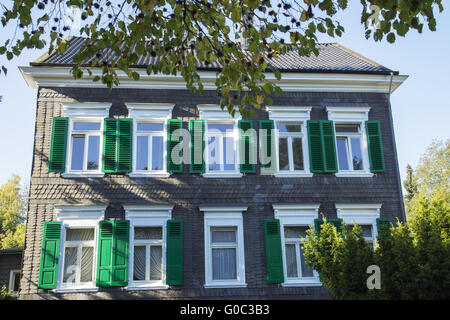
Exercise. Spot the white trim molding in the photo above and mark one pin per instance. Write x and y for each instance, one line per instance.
(150, 111)
(86, 110)
(224, 216)
(361, 213)
(348, 114)
(215, 112)
(312, 82)
(148, 216)
(289, 113)
(296, 215)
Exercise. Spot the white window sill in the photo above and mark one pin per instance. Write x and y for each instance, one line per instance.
(226, 285)
(354, 174)
(304, 283)
(149, 175)
(293, 175)
(75, 290)
(222, 175)
(83, 175)
(147, 287)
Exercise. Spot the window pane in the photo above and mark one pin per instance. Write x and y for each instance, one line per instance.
(291, 261)
(214, 160)
(366, 229)
(93, 152)
(142, 153)
(147, 233)
(77, 152)
(16, 281)
(349, 128)
(357, 153)
(221, 127)
(84, 126)
(148, 126)
(70, 264)
(306, 270)
(223, 235)
(228, 154)
(155, 263)
(81, 234)
(284, 157)
(295, 232)
(342, 153)
(298, 154)
(157, 153)
(224, 264)
(87, 258)
(287, 127)
(139, 263)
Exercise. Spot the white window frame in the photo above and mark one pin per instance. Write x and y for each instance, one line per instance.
(356, 116)
(361, 214)
(150, 113)
(296, 215)
(148, 216)
(213, 114)
(84, 112)
(295, 115)
(224, 217)
(78, 216)
(12, 282)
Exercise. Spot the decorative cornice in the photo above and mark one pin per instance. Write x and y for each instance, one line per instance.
(215, 112)
(88, 109)
(311, 82)
(289, 113)
(150, 110)
(348, 113)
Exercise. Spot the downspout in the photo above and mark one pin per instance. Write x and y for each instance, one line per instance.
(399, 182)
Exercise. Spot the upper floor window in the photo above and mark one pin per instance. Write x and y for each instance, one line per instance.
(349, 144)
(290, 146)
(84, 146)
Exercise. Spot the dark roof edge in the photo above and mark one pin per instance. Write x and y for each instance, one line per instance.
(12, 250)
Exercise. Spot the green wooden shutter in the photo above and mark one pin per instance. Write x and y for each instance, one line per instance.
(274, 256)
(120, 253)
(384, 226)
(104, 256)
(172, 125)
(124, 144)
(322, 146)
(48, 268)
(329, 146)
(266, 128)
(337, 224)
(197, 130)
(174, 252)
(109, 145)
(375, 146)
(317, 225)
(57, 156)
(246, 142)
(316, 159)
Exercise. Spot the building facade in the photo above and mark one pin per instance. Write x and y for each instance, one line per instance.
(113, 216)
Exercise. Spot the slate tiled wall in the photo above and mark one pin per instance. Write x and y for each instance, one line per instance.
(188, 191)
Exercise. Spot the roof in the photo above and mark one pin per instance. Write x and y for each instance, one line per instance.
(12, 250)
(332, 58)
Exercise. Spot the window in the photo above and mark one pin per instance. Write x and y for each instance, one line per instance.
(295, 220)
(364, 215)
(224, 247)
(349, 147)
(221, 147)
(78, 247)
(149, 138)
(78, 257)
(351, 142)
(85, 146)
(291, 143)
(148, 246)
(14, 282)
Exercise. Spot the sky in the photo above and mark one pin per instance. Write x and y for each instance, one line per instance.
(420, 106)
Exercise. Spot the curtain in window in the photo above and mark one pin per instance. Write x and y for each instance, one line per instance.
(155, 262)
(85, 234)
(224, 264)
(291, 261)
(139, 263)
(70, 264)
(87, 255)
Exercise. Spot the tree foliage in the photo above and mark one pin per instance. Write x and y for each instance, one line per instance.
(172, 29)
(13, 204)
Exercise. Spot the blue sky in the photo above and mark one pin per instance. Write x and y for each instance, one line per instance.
(421, 106)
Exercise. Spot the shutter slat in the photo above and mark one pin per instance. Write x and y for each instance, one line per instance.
(246, 145)
(105, 249)
(120, 253)
(375, 146)
(174, 252)
(316, 159)
(124, 145)
(172, 125)
(329, 146)
(57, 156)
(274, 256)
(197, 130)
(48, 268)
(384, 226)
(266, 129)
(109, 145)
